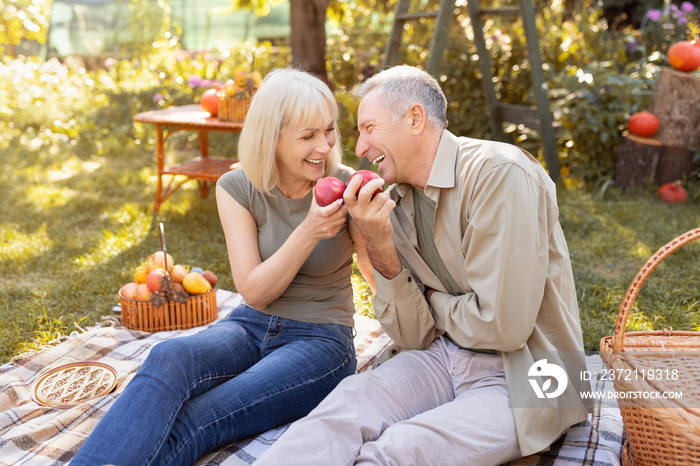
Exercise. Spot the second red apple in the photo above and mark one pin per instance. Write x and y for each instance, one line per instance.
(367, 176)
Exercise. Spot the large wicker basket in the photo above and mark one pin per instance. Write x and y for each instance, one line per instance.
(655, 364)
(143, 315)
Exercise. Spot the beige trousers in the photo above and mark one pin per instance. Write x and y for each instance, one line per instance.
(439, 406)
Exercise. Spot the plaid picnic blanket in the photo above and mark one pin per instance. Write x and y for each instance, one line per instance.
(32, 434)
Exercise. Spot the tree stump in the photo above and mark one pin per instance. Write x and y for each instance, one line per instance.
(666, 157)
(643, 161)
(674, 164)
(675, 101)
(637, 160)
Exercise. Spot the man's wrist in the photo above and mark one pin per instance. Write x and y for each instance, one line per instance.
(385, 260)
(428, 292)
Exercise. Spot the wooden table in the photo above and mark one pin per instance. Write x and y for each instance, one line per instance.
(206, 170)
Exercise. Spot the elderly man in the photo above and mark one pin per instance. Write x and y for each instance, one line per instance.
(473, 279)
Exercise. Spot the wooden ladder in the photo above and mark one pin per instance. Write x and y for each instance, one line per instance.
(538, 118)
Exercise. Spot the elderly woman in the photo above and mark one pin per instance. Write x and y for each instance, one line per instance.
(291, 341)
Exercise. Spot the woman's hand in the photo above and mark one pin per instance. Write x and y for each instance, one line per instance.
(324, 222)
(261, 282)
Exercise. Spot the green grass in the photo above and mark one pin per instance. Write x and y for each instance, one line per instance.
(610, 239)
(75, 220)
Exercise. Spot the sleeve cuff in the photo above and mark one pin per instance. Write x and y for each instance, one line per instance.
(397, 286)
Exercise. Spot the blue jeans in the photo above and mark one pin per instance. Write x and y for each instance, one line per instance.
(242, 376)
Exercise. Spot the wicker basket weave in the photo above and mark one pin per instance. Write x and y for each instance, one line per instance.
(232, 108)
(143, 315)
(660, 431)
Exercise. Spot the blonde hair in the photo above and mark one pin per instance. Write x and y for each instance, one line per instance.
(286, 96)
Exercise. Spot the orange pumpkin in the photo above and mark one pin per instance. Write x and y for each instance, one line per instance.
(209, 101)
(684, 56)
(644, 124)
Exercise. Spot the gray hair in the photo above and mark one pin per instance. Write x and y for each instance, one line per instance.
(402, 86)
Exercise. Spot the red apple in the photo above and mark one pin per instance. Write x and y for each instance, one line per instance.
(367, 176)
(673, 193)
(328, 190)
(153, 279)
(129, 290)
(143, 293)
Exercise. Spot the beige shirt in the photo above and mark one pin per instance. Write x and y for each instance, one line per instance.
(497, 231)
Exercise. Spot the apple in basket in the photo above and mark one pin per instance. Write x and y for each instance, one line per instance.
(158, 259)
(129, 290)
(154, 279)
(143, 293)
(328, 190)
(178, 273)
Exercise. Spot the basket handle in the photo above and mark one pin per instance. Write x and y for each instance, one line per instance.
(642, 275)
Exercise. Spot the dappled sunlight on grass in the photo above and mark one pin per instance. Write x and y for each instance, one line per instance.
(638, 322)
(183, 207)
(19, 247)
(47, 197)
(48, 330)
(642, 251)
(72, 167)
(114, 243)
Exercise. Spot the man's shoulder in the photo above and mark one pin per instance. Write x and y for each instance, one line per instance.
(485, 150)
(486, 155)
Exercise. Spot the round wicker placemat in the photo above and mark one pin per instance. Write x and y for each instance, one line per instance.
(74, 383)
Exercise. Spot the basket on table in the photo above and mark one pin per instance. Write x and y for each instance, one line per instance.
(172, 315)
(231, 107)
(654, 364)
(236, 94)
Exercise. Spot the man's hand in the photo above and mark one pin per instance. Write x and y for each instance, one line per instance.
(372, 216)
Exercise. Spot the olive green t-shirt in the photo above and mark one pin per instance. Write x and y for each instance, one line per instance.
(321, 291)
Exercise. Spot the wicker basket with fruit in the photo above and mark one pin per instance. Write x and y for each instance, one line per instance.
(167, 296)
(235, 96)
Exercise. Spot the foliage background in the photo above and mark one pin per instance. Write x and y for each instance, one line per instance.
(78, 176)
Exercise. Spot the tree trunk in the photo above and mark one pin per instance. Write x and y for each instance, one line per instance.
(308, 36)
(675, 101)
